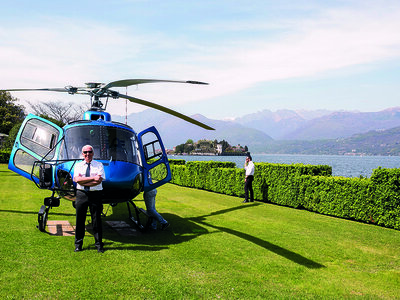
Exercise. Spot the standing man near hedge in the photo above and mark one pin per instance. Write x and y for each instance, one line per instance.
(88, 175)
(248, 181)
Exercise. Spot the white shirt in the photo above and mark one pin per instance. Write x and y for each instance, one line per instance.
(96, 168)
(249, 168)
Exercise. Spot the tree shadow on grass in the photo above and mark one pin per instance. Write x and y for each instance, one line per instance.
(30, 212)
(8, 173)
(185, 229)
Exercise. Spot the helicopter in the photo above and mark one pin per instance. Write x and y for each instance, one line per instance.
(133, 162)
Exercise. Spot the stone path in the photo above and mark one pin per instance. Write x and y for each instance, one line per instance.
(60, 228)
(64, 228)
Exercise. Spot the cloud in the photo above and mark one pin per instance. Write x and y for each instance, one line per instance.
(332, 40)
(335, 39)
(231, 55)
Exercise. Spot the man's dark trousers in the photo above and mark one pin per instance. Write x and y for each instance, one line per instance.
(248, 186)
(91, 199)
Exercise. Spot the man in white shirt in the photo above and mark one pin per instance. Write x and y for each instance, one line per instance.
(248, 181)
(88, 175)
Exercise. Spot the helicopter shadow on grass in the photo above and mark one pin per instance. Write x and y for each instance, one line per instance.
(185, 229)
(180, 231)
(290, 255)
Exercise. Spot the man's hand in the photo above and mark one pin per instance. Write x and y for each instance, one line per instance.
(97, 179)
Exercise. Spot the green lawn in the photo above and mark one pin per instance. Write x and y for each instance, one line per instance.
(216, 247)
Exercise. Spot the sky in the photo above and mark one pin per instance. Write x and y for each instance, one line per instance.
(255, 55)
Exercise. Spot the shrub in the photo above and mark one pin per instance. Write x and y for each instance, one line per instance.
(5, 156)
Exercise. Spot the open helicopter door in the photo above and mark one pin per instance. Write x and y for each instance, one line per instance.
(154, 159)
(36, 141)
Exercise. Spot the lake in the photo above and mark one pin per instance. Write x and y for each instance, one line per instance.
(342, 165)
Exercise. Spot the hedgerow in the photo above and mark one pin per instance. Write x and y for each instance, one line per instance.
(312, 187)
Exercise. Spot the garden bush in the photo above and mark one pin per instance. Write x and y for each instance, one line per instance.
(4, 156)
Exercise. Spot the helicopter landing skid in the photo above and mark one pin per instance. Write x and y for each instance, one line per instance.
(136, 220)
(43, 213)
(42, 217)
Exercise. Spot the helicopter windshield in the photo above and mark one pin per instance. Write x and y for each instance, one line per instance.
(109, 143)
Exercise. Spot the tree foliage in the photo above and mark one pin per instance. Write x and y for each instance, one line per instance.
(58, 112)
(10, 112)
(12, 135)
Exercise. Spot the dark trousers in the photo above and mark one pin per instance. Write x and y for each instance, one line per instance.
(248, 187)
(93, 201)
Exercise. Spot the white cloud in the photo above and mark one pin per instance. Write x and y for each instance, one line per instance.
(336, 39)
(69, 51)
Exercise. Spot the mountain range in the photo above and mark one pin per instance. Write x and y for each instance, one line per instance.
(268, 131)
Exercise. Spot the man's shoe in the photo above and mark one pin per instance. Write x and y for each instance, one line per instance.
(100, 250)
(245, 201)
(78, 249)
(164, 226)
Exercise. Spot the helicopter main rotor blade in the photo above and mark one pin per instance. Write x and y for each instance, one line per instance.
(166, 110)
(129, 82)
(50, 89)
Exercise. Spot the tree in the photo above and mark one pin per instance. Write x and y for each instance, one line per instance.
(62, 113)
(10, 112)
(225, 145)
(9, 142)
(188, 148)
(52, 120)
(179, 149)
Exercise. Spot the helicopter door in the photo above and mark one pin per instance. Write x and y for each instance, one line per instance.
(35, 141)
(154, 159)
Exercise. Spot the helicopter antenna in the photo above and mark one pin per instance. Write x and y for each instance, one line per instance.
(126, 106)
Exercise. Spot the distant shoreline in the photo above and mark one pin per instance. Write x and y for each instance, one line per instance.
(213, 154)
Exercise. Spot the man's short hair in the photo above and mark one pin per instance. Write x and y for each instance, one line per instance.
(88, 146)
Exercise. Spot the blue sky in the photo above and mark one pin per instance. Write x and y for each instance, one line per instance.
(256, 55)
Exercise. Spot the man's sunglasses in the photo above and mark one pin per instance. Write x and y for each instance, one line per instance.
(86, 152)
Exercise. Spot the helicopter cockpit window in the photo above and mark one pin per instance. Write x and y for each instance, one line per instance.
(109, 143)
(121, 144)
(151, 147)
(79, 136)
(39, 137)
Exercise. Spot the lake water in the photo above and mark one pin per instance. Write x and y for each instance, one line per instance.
(342, 165)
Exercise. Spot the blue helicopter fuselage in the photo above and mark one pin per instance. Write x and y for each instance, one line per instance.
(127, 158)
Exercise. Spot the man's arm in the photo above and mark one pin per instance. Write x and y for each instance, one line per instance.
(88, 181)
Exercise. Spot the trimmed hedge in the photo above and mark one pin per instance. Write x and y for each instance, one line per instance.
(375, 200)
(176, 161)
(386, 190)
(348, 198)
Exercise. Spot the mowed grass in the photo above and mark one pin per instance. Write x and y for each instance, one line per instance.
(216, 247)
